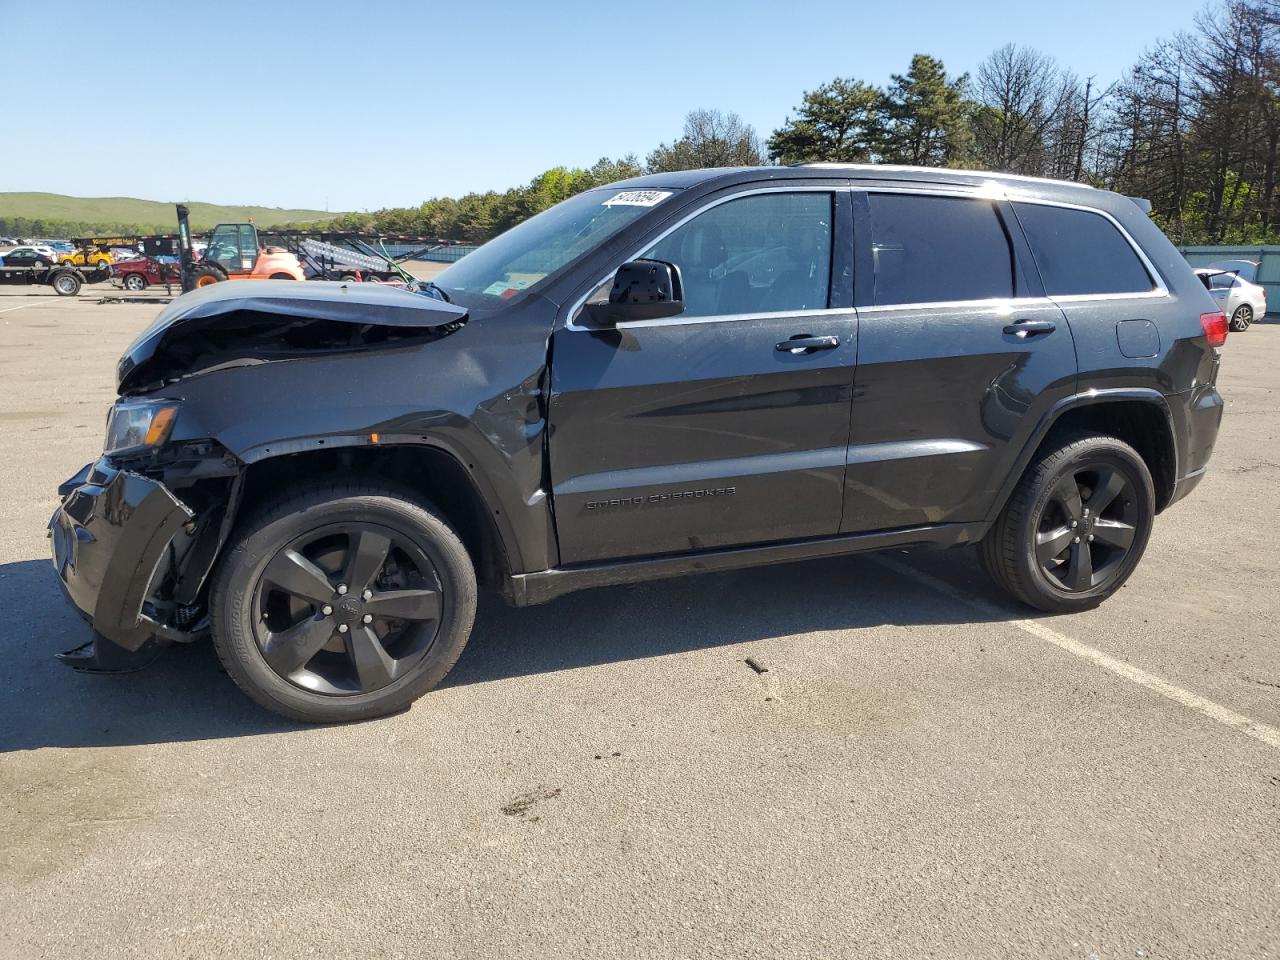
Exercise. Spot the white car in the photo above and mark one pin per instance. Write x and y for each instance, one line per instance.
(1242, 301)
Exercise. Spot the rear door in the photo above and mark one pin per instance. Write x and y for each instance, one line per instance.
(960, 355)
(706, 430)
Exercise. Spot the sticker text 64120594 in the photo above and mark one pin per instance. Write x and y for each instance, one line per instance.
(637, 198)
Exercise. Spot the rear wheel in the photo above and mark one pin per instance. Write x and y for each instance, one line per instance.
(66, 283)
(135, 281)
(281, 276)
(1076, 525)
(1241, 319)
(343, 603)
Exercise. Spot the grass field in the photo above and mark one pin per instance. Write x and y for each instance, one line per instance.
(56, 206)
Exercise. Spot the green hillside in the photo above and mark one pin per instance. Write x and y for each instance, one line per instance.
(126, 210)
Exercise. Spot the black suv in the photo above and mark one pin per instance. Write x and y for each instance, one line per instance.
(684, 372)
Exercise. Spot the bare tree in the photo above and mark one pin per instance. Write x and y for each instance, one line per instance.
(710, 139)
(1021, 94)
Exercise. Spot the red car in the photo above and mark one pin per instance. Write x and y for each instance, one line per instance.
(142, 273)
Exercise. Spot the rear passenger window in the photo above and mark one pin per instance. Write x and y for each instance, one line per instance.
(938, 249)
(1079, 252)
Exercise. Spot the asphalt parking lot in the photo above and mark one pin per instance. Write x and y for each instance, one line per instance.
(922, 770)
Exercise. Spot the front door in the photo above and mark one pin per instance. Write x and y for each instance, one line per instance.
(960, 356)
(705, 430)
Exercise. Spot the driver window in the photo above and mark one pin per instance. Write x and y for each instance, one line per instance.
(764, 253)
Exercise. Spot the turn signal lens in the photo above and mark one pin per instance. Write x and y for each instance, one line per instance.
(161, 424)
(1215, 328)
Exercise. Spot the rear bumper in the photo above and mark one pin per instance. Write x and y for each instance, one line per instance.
(109, 536)
(1202, 415)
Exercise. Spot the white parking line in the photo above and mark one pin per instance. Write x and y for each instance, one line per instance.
(18, 307)
(1214, 711)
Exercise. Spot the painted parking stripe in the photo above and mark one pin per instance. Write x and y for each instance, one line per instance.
(1261, 732)
(18, 307)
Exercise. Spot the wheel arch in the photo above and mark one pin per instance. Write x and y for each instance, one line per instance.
(427, 470)
(1139, 416)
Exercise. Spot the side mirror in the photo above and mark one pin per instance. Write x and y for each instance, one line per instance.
(642, 290)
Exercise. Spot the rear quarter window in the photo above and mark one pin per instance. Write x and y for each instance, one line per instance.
(1081, 253)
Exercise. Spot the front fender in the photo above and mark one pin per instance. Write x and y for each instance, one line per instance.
(476, 400)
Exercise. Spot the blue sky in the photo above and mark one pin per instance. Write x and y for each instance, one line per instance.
(290, 104)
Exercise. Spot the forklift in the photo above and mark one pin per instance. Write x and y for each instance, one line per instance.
(233, 253)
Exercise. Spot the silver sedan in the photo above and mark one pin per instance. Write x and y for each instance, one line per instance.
(1242, 301)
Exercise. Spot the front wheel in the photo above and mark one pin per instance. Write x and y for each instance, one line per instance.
(135, 282)
(1076, 525)
(1241, 319)
(343, 603)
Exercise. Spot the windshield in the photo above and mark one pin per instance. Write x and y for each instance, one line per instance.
(527, 253)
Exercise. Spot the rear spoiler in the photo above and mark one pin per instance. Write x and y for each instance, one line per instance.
(1142, 204)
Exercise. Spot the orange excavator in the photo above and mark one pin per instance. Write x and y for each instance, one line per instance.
(233, 253)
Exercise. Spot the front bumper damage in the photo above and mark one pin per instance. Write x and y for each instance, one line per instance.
(131, 557)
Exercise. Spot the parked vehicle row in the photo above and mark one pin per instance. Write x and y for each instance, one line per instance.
(29, 256)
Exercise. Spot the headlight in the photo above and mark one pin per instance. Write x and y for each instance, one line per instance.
(139, 425)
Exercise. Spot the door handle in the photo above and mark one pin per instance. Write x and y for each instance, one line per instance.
(1029, 328)
(803, 343)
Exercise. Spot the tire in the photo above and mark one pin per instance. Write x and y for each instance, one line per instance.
(66, 283)
(281, 276)
(1018, 551)
(349, 278)
(1241, 319)
(135, 281)
(203, 275)
(261, 628)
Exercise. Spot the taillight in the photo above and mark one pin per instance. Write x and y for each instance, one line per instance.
(1215, 327)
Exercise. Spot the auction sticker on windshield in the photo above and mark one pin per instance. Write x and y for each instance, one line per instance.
(637, 198)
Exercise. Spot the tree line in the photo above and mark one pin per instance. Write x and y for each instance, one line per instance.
(1193, 126)
(54, 228)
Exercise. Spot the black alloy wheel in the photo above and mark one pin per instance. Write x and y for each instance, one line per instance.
(1087, 528)
(342, 601)
(347, 609)
(1076, 525)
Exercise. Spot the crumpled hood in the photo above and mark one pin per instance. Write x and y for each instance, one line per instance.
(251, 311)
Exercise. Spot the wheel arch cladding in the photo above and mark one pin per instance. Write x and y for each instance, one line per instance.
(424, 472)
(1143, 424)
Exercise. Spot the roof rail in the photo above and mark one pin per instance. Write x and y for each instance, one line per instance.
(907, 168)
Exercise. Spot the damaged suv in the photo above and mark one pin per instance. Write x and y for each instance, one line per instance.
(685, 372)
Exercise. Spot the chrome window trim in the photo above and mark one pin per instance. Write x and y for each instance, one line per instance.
(1158, 289)
(721, 318)
(680, 320)
(993, 191)
(1011, 304)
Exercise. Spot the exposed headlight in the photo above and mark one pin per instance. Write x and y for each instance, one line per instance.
(139, 425)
